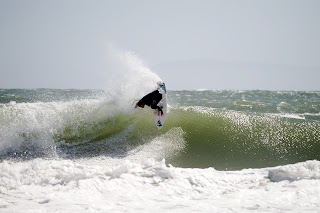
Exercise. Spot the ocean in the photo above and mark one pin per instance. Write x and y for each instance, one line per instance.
(218, 151)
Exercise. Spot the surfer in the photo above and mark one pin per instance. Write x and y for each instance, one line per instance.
(152, 99)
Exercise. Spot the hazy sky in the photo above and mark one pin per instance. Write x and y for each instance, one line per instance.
(226, 44)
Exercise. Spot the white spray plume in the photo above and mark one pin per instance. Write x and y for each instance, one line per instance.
(131, 79)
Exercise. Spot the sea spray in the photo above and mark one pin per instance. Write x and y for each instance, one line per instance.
(131, 79)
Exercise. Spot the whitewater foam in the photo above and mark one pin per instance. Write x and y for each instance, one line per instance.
(306, 170)
(34, 125)
(168, 145)
(94, 185)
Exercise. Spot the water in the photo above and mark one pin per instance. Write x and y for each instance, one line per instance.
(219, 151)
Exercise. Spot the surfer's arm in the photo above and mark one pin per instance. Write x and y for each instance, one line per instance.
(154, 106)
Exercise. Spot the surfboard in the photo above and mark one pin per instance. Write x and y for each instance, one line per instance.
(158, 118)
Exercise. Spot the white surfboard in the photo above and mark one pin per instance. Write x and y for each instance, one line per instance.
(158, 118)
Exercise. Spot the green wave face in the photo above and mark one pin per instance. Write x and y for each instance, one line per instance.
(85, 131)
(233, 140)
(223, 139)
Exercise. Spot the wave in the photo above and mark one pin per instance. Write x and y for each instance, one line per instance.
(229, 139)
(207, 137)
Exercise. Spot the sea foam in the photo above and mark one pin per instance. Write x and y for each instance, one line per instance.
(95, 185)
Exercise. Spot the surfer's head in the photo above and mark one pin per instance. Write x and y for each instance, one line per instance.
(159, 84)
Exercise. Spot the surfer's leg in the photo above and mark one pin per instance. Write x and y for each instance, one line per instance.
(160, 110)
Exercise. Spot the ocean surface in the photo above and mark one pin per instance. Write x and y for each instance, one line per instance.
(219, 151)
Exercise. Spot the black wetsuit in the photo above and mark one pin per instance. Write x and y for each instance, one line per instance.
(152, 99)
